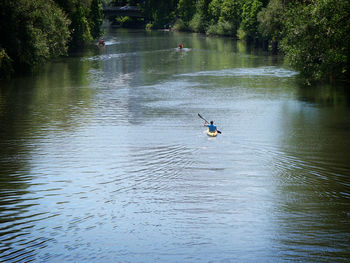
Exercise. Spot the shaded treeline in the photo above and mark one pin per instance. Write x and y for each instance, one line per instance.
(33, 31)
(314, 35)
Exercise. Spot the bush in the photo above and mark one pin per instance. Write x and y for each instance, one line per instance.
(270, 20)
(241, 34)
(125, 21)
(223, 28)
(196, 24)
(200, 20)
(149, 26)
(180, 25)
(81, 35)
(186, 9)
(95, 18)
(6, 69)
(316, 39)
(249, 22)
(33, 31)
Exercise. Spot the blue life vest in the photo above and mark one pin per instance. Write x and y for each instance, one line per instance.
(212, 127)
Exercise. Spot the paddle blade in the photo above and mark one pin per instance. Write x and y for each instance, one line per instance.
(200, 116)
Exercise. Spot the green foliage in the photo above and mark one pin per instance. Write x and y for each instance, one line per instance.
(223, 28)
(314, 34)
(270, 20)
(215, 10)
(128, 22)
(81, 35)
(196, 24)
(231, 12)
(186, 10)
(33, 31)
(200, 20)
(160, 13)
(95, 18)
(249, 22)
(225, 17)
(180, 25)
(86, 19)
(316, 38)
(6, 69)
(149, 26)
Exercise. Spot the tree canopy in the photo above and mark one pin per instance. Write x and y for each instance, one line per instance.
(33, 31)
(313, 34)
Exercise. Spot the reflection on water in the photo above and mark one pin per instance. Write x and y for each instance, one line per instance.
(104, 159)
(270, 71)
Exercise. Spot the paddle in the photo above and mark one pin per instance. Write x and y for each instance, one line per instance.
(200, 116)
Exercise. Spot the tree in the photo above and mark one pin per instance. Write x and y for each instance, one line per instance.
(215, 10)
(225, 17)
(317, 38)
(186, 9)
(200, 20)
(231, 12)
(159, 12)
(33, 31)
(77, 11)
(270, 21)
(81, 35)
(96, 18)
(6, 69)
(249, 24)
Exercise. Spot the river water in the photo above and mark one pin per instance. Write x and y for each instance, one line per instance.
(103, 157)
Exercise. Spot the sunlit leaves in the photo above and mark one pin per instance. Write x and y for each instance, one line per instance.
(33, 31)
(316, 38)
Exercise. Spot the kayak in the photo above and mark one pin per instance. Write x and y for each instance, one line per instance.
(212, 134)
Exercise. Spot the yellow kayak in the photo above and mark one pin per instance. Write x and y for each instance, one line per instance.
(212, 134)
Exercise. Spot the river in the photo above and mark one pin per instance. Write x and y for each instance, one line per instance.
(103, 157)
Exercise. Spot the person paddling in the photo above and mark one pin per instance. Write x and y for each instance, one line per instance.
(180, 46)
(211, 126)
(101, 42)
(212, 130)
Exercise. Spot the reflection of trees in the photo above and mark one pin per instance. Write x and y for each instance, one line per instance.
(31, 108)
(326, 95)
(313, 172)
(136, 68)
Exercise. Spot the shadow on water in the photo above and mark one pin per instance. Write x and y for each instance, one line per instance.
(312, 167)
(33, 108)
(329, 95)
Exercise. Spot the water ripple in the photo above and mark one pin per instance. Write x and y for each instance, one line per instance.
(270, 71)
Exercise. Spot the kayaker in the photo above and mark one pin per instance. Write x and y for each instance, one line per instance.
(211, 126)
(180, 46)
(101, 42)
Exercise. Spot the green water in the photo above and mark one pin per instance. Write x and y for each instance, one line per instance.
(104, 159)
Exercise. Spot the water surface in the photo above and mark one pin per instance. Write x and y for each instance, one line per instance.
(104, 159)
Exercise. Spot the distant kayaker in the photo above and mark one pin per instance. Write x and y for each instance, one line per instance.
(101, 42)
(211, 126)
(180, 46)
